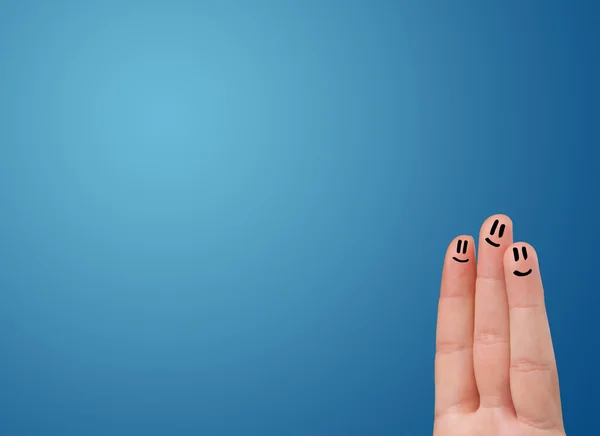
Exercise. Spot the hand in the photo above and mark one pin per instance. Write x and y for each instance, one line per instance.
(495, 371)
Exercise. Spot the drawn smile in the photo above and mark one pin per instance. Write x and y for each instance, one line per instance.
(492, 243)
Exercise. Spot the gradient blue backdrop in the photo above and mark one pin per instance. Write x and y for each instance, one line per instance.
(228, 217)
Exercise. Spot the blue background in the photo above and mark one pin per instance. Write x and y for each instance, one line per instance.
(229, 217)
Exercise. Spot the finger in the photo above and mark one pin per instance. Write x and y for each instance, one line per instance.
(533, 374)
(491, 349)
(455, 388)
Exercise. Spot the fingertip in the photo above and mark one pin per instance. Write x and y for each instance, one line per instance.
(460, 260)
(498, 228)
(502, 219)
(521, 261)
(518, 252)
(462, 247)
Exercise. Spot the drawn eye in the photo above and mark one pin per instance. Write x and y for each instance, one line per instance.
(516, 253)
(464, 248)
(494, 227)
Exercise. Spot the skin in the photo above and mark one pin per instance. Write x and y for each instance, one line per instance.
(495, 370)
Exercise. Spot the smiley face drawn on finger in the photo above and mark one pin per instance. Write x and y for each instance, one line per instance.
(464, 250)
(516, 256)
(493, 230)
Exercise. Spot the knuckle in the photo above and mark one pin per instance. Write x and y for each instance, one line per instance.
(526, 305)
(529, 365)
(451, 347)
(545, 424)
(490, 338)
